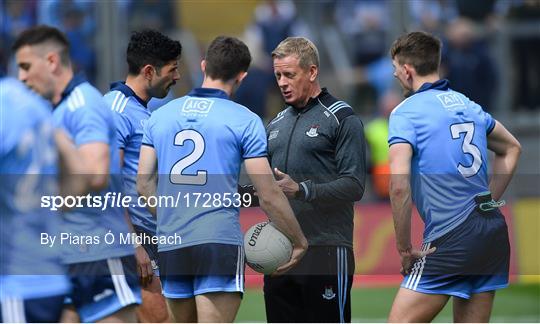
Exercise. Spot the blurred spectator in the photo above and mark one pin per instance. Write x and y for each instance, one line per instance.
(276, 20)
(15, 16)
(476, 10)
(468, 64)
(380, 75)
(153, 14)
(525, 52)
(82, 50)
(377, 140)
(432, 16)
(365, 25)
(273, 22)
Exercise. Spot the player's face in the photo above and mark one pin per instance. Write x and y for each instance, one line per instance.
(35, 70)
(402, 75)
(294, 82)
(164, 79)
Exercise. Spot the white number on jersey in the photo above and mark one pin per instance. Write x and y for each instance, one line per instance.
(468, 148)
(176, 176)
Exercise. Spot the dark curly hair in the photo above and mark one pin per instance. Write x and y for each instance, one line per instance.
(151, 47)
(226, 57)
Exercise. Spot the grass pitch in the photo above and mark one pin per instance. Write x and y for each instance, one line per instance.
(518, 303)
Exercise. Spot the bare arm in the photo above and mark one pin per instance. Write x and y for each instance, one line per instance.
(96, 159)
(400, 193)
(147, 174)
(400, 197)
(507, 150)
(73, 180)
(276, 206)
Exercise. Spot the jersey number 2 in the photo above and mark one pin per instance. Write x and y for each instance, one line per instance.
(177, 176)
(468, 148)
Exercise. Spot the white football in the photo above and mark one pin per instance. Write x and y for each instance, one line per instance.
(266, 248)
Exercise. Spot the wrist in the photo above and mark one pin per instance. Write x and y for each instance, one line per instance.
(404, 250)
(300, 192)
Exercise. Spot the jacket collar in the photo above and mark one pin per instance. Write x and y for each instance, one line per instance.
(312, 102)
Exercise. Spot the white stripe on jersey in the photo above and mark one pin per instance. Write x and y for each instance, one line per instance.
(115, 100)
(124, 105)
(79, 95)
(75, 99)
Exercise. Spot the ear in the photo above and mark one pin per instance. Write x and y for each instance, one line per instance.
(409, 70)
(240, 77)
(148, 71)
(53, 60)
(313, 73)
(203, 66)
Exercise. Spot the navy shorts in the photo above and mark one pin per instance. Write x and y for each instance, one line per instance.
(38, 310)
(200, 269)
(151, 250)
(472, 258)
(101, 288)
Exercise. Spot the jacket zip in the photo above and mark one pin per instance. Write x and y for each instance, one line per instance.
(289, 143)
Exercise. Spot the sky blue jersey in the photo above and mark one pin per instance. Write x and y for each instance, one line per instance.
(448, 134)
(130, 113)
(85, 117)
(201, 141)
(28, 170)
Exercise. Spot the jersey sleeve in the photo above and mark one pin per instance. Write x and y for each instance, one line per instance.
(89, 125)
(123, 129)
(254, 140)
(489, 121)
(147, 131)
(401, 130)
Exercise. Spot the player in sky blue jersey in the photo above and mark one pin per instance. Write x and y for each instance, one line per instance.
(438, 153)
(195, 145)
(103, 274)
(33, 281)
(153, 69)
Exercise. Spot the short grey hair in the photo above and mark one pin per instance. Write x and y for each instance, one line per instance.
(301, 47)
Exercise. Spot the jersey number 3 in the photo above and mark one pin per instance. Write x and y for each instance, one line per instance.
(177, 176)
(468, 148)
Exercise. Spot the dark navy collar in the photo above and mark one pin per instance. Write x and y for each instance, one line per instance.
(441, 84)
(312, 102)
(73, 83)
(208, 92)
(127, 91)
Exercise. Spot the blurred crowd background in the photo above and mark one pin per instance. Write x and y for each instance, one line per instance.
(491, 51)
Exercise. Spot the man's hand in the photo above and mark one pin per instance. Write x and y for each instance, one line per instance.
(144, 266)
(286, 184)
(297, 254)
(409, 257)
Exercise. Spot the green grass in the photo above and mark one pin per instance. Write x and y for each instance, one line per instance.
(518, 303)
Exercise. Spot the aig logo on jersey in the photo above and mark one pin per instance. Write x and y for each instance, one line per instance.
(312, 132)
(450, 100)
(197, 106)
